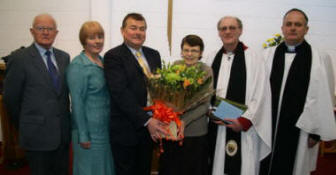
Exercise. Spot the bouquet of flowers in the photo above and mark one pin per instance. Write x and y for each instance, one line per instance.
(177, 88)
(276, 40)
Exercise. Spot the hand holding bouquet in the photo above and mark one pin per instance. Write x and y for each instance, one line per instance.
(175, 89)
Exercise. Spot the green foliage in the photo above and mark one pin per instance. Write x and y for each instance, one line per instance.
(180, 76)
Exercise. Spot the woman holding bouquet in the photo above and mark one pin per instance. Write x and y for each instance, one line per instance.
(191, 156)
(90, 105)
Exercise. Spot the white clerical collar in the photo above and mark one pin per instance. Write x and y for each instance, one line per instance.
(229, 53)
(291, 48)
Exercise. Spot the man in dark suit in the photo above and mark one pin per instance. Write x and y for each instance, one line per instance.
(127, 67)
(36, 95)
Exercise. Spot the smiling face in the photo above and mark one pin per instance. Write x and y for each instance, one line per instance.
(44, 30)
(91, 36)
(94, 44)
(191, 54)
(134, 33)
(294, 28)
(229, 31)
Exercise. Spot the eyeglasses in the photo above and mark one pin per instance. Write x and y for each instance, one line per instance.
(41, 29)
(193, 51)
(225, 28)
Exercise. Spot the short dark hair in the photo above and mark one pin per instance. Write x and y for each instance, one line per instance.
(193, 40)
(135, 16)
(297, 10)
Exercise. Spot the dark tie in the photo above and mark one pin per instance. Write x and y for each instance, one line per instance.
(52, 71)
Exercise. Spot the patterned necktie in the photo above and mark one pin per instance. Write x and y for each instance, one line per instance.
(143, 65)
(147, 73)
(52, 71)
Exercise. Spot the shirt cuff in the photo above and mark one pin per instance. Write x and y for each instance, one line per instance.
(246, 123)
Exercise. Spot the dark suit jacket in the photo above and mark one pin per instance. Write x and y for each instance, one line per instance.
(31, 99)
(127, 85)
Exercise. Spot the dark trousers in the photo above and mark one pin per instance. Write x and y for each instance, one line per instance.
(190, 158)
(54, 162)
(133, 160)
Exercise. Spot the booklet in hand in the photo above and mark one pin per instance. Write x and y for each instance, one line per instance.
(227, 109)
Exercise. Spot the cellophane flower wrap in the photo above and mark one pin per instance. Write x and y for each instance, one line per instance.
(180, 88)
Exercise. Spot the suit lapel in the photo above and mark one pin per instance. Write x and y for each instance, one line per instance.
(131, 59)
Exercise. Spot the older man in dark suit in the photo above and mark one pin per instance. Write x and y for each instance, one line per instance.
(36, 95)
(126, 69)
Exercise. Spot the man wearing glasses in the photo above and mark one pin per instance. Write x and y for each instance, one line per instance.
(237, 145)
(36, 96)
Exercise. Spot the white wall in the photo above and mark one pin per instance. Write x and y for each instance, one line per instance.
(16, 18)
(261, 19)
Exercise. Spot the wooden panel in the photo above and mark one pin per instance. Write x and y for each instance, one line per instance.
(10, 146)
(327, 147)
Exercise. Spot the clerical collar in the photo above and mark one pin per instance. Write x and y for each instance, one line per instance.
(232, 52)
(291, 48)
(229, 53)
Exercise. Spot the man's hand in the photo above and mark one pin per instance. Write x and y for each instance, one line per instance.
(234, 124)
(219, 122)
(311, 142)
(85, 145)
(157, 128)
